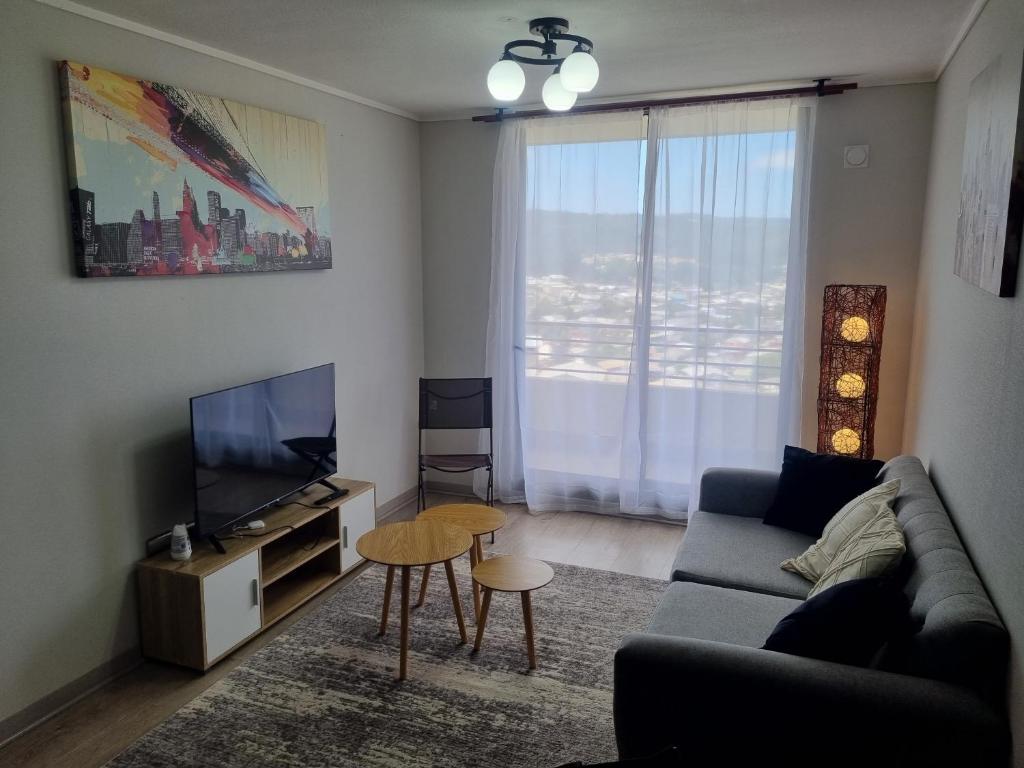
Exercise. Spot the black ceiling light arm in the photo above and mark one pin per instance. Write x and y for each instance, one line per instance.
(551, 29)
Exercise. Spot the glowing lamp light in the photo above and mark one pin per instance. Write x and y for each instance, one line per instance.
(506, 80)
(580, 72)
(854, 329)
(845, 441)
(850, 385)
(555, 96)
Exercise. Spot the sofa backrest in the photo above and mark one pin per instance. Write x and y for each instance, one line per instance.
(961, 639)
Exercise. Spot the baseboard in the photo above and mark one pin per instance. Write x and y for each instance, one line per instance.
(389, 508)
(62, 698)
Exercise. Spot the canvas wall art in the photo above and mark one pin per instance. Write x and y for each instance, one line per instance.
(988, 236)
(169, 181)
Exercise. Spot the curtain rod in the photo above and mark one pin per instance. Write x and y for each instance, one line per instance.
(821, 89)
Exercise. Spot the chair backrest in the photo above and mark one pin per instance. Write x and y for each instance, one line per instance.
(455, 403)
(961, 638)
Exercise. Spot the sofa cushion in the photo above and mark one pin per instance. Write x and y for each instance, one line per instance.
(740, 552)
(723, 615)
(846, 523)
(847, 623)
(813, 487)
(875, 550)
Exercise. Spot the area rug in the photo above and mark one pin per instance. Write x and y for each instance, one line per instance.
(324, 693)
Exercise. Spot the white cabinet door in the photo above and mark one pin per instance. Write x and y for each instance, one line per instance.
(231, 604)
(358, 516)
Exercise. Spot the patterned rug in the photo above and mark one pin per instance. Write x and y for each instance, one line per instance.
(324, 693)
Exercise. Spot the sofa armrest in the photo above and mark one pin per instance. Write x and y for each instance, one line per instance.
(743, 492)
(732, 705)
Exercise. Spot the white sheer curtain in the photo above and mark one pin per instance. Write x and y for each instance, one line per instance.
(646, 301)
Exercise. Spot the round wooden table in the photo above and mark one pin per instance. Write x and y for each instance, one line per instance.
(410, 544)
(479, 520)
(511, 573)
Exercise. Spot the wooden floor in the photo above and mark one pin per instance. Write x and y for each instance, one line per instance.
(101, 725)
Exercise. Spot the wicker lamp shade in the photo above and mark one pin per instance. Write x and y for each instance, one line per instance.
(852, 322)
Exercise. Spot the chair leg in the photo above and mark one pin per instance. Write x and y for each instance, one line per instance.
(528, 621)
(482, 620)
(474, 561)
(456, 604)
(423, 586)
(490, 492)
(421, 494)
(387, 600)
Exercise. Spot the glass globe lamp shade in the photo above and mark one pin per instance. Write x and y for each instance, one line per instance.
(580, 72)
(854, 328)
(845, 441)
(555, 96)
(506, 80)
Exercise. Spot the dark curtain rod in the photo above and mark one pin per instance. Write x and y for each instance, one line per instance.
(821, 89)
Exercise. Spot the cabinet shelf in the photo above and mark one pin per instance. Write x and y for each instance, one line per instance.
(280, 562)
(300, 584)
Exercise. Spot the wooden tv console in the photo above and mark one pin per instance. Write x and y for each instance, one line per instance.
(196, 612)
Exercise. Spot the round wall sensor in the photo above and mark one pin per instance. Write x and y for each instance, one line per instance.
(856, 156)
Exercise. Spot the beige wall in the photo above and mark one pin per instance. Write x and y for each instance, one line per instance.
(965, 402)
(864, 227)
(96, 375)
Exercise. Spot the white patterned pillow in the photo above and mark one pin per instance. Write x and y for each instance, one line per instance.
(875, 550)
(844, 524)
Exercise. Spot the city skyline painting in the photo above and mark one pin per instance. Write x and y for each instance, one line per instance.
(169, 181)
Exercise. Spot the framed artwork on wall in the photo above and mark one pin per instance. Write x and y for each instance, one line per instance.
(169, 181)
(991, 218)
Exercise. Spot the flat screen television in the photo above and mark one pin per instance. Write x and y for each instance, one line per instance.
(256, 444)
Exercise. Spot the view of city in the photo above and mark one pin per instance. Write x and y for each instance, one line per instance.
(722, 328)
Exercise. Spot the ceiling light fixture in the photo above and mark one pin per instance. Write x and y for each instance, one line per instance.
(573, 74)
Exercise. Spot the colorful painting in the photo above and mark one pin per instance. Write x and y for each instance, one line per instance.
(988, 233)
(168, 181)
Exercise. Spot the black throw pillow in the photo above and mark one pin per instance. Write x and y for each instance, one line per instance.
(848, 623)
(814, 486)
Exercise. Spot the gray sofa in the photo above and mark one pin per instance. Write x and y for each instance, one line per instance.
(697, 678)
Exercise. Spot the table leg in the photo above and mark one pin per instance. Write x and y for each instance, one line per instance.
(479, 549)
(450, 571)
(528, 620)
(423, 586)
(482, 620)
(474, 561)
(404, 649)
(387, 600)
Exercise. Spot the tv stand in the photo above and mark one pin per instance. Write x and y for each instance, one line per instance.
(195, 612)
(336, 492)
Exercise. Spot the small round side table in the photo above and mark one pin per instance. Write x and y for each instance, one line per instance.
(510, 573)
(479, 520)
(409, 544)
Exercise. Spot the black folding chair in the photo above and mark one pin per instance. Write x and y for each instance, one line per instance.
(456, 404)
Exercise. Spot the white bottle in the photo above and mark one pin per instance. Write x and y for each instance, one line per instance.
(181, 547)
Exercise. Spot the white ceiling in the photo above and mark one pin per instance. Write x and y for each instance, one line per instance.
(430, 57)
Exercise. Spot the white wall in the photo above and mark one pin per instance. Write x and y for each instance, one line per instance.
(864, 227)
(95, 374)
(965, 416)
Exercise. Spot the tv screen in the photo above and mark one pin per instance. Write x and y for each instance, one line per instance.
(256, 444)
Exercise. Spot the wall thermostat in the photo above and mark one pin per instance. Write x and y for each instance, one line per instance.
(856, 156)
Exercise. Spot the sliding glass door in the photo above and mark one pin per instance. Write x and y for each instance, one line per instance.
(660, 299)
